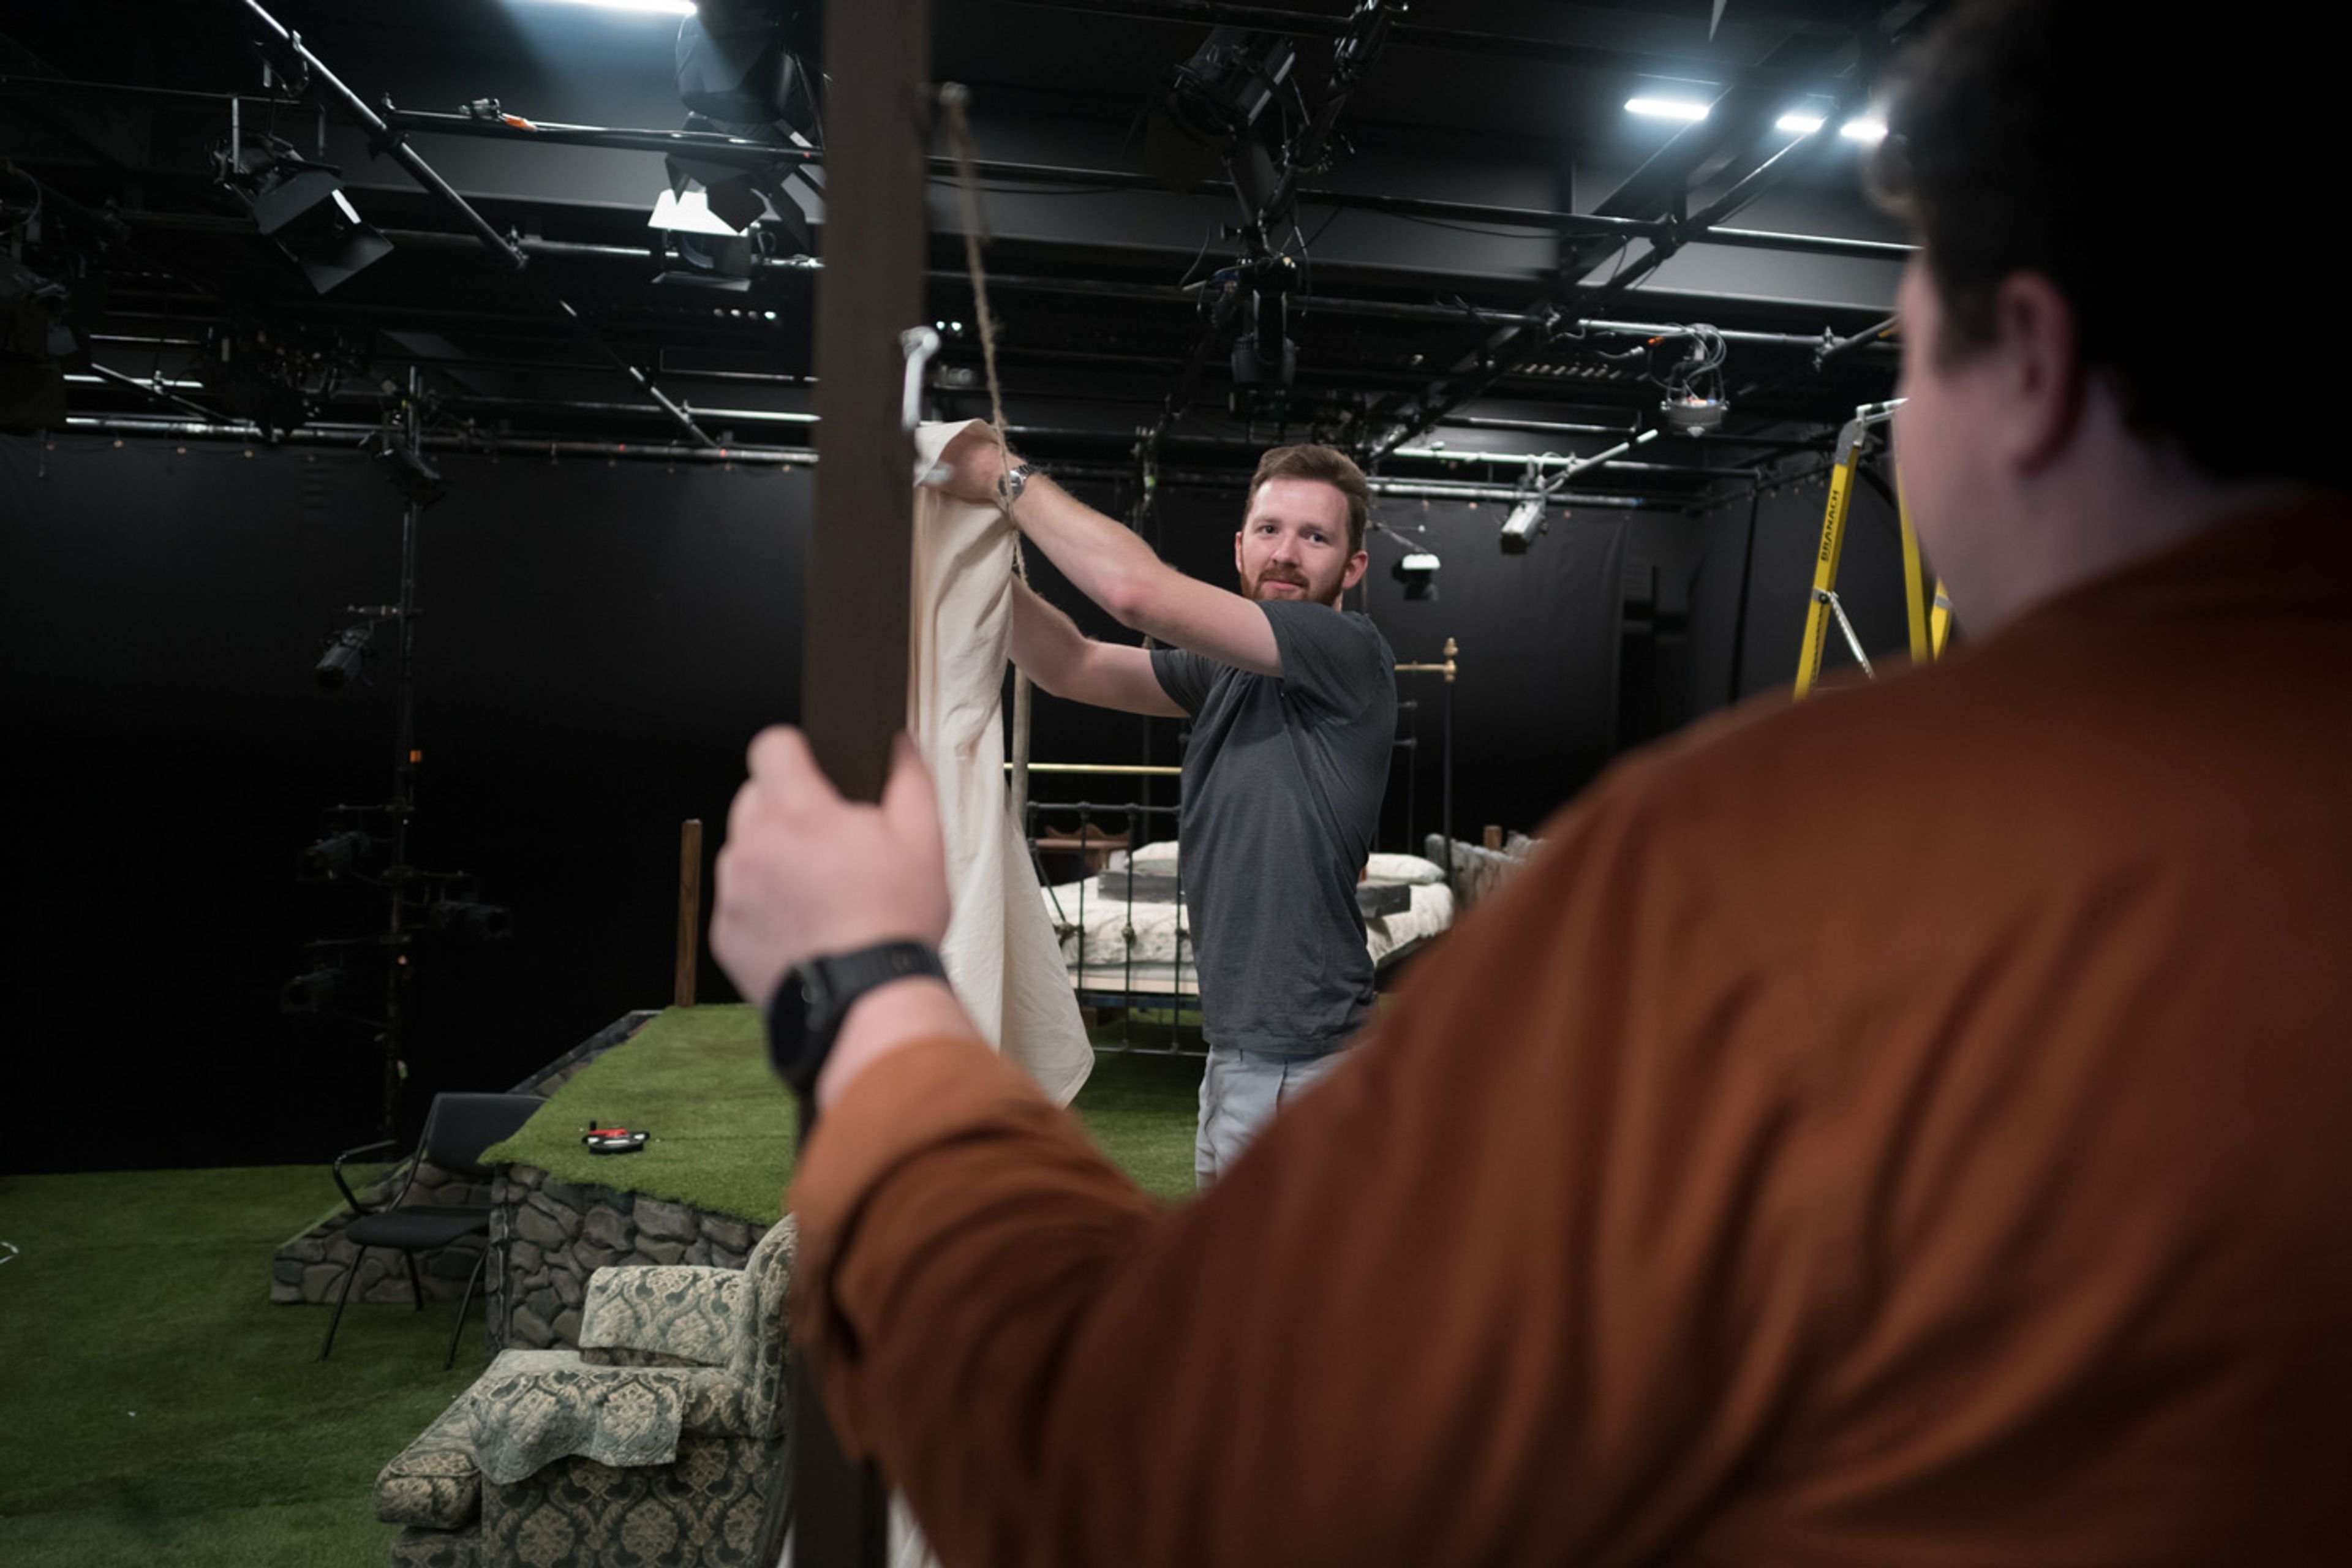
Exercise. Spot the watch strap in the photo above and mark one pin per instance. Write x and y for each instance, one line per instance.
(805, 1017)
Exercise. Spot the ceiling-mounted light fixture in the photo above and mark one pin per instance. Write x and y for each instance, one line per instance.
(1525, 520)
(1681, 108)
(1865, 129)
(647, 7)
(1417, 571)
(301, 206)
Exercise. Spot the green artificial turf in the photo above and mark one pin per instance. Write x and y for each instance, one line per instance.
(696, 1078)
(155, 1406)
(158, 1408)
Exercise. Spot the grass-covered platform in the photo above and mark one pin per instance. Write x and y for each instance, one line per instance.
(160, 1409)
(696, 1078)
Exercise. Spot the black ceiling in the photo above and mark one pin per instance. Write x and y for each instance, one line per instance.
(1444, 309)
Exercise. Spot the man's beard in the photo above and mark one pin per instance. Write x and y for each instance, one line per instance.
(1257, 586)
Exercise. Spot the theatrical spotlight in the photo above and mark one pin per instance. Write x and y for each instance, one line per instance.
(337, 852)
(273, 376)
(301, 206)
(1417, 570)
(411, 475)
(475, 922)
(345, 654)
(305, 992)
(1694, 403)
(1525, 520)
(1205, 118)
(695, 247)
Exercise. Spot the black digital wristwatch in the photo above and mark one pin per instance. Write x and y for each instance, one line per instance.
(806, 1012)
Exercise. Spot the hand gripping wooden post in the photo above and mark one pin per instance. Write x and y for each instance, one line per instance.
(854, 615)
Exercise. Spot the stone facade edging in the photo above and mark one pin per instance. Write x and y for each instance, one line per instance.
(310, 1267)
(548, 1235)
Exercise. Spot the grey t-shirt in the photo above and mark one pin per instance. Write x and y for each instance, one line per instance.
(1283, 783)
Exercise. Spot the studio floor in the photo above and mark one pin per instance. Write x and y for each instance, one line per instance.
(157, 1407)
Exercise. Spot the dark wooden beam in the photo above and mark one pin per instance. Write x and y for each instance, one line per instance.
(854, 687)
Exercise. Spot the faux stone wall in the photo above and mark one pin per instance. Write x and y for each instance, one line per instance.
(310, 1267)
(550, 1235)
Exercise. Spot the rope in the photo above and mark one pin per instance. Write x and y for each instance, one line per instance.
(954, 100)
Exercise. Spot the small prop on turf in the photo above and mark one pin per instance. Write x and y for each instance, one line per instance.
(615, 1139)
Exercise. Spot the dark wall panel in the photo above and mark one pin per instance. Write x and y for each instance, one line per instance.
(597, 645)
(598, 642)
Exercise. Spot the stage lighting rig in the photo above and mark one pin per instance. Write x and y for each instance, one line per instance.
(1694, 403)
(306, 992)
(1417, 568)
(345, 655)
(36, 341)
(1249, 305)
(740, 73)
(275, 377)
(472, 920)
(1525, 520)
(1209, 111)
(403, 465)
(301, 206)
(336, 853)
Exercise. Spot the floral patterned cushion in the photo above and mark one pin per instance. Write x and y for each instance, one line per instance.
(673, 1310)
(434, 1482)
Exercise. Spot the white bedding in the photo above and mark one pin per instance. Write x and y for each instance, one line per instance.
(1148, 932)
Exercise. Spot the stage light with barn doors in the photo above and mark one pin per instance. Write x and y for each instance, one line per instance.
(344, 657)
(301, 206)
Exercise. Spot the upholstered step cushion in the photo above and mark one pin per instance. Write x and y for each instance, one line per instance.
(434, 1482)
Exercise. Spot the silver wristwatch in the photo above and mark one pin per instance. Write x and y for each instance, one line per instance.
(1010, 485)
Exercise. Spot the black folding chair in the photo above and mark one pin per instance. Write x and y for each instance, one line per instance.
(457, 1130)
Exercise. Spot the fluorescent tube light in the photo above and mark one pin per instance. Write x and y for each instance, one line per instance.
(1865, 130)
(650, 8)
(1666, 108)
(1798, 124)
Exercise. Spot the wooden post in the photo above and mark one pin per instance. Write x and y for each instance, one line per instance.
(1494, 836)
(689, 910)
(854, 615)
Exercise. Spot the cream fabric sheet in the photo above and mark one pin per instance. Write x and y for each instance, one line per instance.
(1001, 951)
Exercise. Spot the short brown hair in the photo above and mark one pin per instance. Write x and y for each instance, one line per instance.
(1328, 465)
(2054, 136)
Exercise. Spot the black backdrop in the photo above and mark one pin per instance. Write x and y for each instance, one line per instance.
(599, 641)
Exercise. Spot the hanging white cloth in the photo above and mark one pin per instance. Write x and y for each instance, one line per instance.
(1000, 952)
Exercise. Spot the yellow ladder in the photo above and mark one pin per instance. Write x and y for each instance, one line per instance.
(1930, 623)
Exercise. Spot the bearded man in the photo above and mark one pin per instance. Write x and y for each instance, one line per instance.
(1293, 703)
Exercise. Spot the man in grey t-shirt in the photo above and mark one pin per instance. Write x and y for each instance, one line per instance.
(1294, 713)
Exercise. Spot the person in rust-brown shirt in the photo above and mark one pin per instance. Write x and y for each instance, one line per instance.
(1906, 1128)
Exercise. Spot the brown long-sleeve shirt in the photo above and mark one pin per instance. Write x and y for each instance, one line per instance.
(1914, 1127)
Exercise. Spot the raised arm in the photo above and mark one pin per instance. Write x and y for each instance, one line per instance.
(1065, 662)
(1110, 565)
